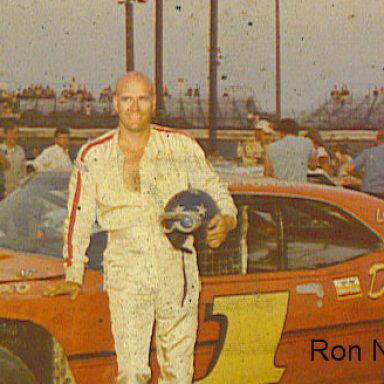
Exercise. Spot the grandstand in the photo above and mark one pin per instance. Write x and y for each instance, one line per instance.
(183, 111)
(354, 111)
(364, 111)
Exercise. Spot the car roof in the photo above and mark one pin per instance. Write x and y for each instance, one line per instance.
(361, 205)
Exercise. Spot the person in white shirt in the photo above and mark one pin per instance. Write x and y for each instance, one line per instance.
(15, 169)
(56, 156)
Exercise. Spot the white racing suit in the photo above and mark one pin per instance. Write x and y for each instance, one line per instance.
(145, 277)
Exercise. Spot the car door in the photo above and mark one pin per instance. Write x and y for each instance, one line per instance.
(288, 297)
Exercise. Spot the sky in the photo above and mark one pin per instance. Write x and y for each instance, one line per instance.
(323, 42)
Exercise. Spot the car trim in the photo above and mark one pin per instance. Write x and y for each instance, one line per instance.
(88, 356)
(103, 354)
(313, 198)
(339, 326)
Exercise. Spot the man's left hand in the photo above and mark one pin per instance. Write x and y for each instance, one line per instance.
(218, 229)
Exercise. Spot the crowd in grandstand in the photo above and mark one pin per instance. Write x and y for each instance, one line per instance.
(340, 95)
(36, 91)
(106, 94)
(79, 94)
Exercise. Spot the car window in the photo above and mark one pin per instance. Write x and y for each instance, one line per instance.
(263, 237)
(32, 219)
(252, 245)
(295, 233)
(318, 234)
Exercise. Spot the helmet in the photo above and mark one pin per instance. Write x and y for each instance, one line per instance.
(187, 212)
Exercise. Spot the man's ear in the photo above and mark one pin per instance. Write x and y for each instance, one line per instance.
(115, 103)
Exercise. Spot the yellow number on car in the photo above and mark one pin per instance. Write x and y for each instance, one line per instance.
(255, 325)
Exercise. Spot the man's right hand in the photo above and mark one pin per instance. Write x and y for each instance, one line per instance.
(64, 288)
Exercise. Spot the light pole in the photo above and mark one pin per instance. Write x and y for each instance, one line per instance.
(129, 40)
(213, 77)
(159, 58)
(278, 68)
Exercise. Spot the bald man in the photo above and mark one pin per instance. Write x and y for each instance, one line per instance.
(124, 179)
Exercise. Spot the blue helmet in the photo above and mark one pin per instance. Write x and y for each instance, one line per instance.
(187, 212)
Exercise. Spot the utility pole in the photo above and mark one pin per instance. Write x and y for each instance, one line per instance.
(159, 59)
(213, 50)
(278, 67)
(129, 37)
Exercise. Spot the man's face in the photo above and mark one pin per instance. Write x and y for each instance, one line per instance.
(266, 138)
(11, 136)
(62, 140)
(257, 134)
(134, 103)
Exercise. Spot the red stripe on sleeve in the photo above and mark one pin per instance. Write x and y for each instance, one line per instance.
(72, 219)
(176, 131)
(94, 144)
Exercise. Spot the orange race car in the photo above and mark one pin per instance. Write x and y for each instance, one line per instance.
(294, 295)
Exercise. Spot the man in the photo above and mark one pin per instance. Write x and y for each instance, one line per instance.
(128, 176)
(340, 159)
(4, 164)
(15, 168)
(370, 162)
(253, 150)
(57, 155)
(323, 158)
(290, 157)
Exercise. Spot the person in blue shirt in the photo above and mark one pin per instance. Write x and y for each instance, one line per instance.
(290, 157)
(371, 163)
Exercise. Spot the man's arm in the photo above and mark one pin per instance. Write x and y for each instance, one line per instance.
(43, 160)
(312, 162)
(203, 176)
(268, 170)
(77, 229)
(4, 163)
(352, 170)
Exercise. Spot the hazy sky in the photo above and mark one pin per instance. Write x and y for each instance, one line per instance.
(323, 42)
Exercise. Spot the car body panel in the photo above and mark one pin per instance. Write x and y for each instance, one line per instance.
(10, 269)
(254, 327)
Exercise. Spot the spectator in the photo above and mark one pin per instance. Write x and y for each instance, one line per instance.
(290, 157)
(323, 159)
(16, 169)
(106, 94)
(166, 92)
(344, 93)
(335, 94)
(370, 162)
(254, 149)
(56, 156)
(340, 159)
(88, 110)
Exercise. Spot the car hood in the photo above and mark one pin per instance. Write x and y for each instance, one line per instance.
(26, 267)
